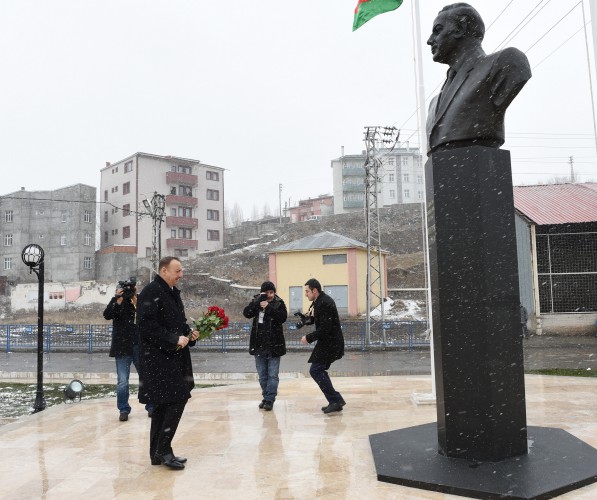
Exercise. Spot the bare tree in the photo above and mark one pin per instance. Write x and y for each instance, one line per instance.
(255, 213)
(236, 216)
(266, 210)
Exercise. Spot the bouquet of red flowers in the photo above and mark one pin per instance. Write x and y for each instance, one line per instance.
(213, 320)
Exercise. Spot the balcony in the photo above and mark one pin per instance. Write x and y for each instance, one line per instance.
(353, 188)
(181, 243)
(178, 199)
(172, 221)
(178, 178)
(354, 204)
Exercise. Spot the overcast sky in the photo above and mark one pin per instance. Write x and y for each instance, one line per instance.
(268, 90)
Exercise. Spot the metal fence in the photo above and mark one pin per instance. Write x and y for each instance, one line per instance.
(92, 338)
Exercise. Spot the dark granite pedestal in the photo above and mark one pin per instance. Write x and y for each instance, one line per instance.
(479, 446)
(557, 462)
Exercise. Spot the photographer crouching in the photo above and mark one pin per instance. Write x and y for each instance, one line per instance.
(267, 341)
(125, 342)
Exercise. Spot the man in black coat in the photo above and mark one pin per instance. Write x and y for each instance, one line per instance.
(330, 343)
(124, 345)
(267, 342)
(166, 377)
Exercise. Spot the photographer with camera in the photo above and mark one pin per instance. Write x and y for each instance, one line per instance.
(330, 343)
(267, 341)
(125, 341)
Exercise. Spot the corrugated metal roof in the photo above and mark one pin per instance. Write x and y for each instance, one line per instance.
(557, 203)
(319, 241)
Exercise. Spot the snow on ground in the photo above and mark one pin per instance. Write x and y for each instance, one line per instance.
(400, 310)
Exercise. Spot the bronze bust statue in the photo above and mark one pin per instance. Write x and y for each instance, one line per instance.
(470, 108)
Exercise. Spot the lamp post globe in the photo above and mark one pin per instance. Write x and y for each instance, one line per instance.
(32, 255)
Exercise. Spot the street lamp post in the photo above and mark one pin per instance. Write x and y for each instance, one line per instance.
(33, 256)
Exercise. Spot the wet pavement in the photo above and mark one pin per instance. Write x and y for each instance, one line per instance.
(540, 352)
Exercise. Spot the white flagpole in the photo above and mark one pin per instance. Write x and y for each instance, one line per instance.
(423, 398)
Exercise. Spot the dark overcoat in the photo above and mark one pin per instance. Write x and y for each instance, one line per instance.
(271, 336)
(166, 374)
(124, 330)
(328, 332)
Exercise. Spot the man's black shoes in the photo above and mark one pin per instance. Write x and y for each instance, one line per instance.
(262, 403)
(332, 407)
(342, 403)
(268, 405)
(124, 416)
(169, 461)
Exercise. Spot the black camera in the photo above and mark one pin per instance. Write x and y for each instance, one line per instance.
(128, 288)
(303, 320)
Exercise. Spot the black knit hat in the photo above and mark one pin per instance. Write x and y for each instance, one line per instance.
(268, 285)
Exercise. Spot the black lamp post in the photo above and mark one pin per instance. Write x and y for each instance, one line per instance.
(33, 256)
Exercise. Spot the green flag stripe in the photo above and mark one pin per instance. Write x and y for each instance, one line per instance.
(368, 9)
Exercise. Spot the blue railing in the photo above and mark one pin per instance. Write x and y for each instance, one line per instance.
(90, 338)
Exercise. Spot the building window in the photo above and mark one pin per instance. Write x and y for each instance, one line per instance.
(106, 195)
(8, 216)
(147, 251)
(420, 195)
(105, 236)
(407, 193)
(128, 167)
(126, 232)
(337, 258)
(173, 212)
(213, 235)
(87, 216)
(391, 178)
(7, 263)
(126, 188)
(126, 210)
(183, 170)
(406, 177)
(106, 216)
(419, 179)
(390, 161)
(8, 240)
(181, 252)
(63, 240)
(172, 233)
(213, 215)
(405, 161)
(185, 191)
(87, 239)
(114, 232)
(63, 216)
(212, 176)
(392, 193)
(213, 194)
(185, 212)
(86, 262)
(184, 233)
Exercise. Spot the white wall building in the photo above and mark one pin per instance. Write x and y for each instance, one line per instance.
(402, 179)
(194, 213)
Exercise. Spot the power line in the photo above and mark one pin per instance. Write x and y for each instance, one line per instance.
(558, 22)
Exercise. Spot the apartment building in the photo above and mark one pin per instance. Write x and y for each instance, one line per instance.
(193, 220)
(61, 221)
(401, 176)
(312, 208)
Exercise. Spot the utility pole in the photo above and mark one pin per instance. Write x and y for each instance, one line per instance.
(387, 138)
(572, 177)
(280, 201)
(155, 209)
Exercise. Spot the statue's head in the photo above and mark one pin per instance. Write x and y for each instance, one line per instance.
(456, 27)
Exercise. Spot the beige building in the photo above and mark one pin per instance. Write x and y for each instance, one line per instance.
(339, 263)
(193, 221)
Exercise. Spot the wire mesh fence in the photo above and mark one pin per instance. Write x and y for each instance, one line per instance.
(92, 338)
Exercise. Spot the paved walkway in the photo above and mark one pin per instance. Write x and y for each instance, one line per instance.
(540, 352)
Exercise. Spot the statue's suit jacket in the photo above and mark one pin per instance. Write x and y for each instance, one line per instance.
(473, 106)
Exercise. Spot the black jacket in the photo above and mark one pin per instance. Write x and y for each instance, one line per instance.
(166, 373)
(328, 332)
(124, 330)
(271, 336)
